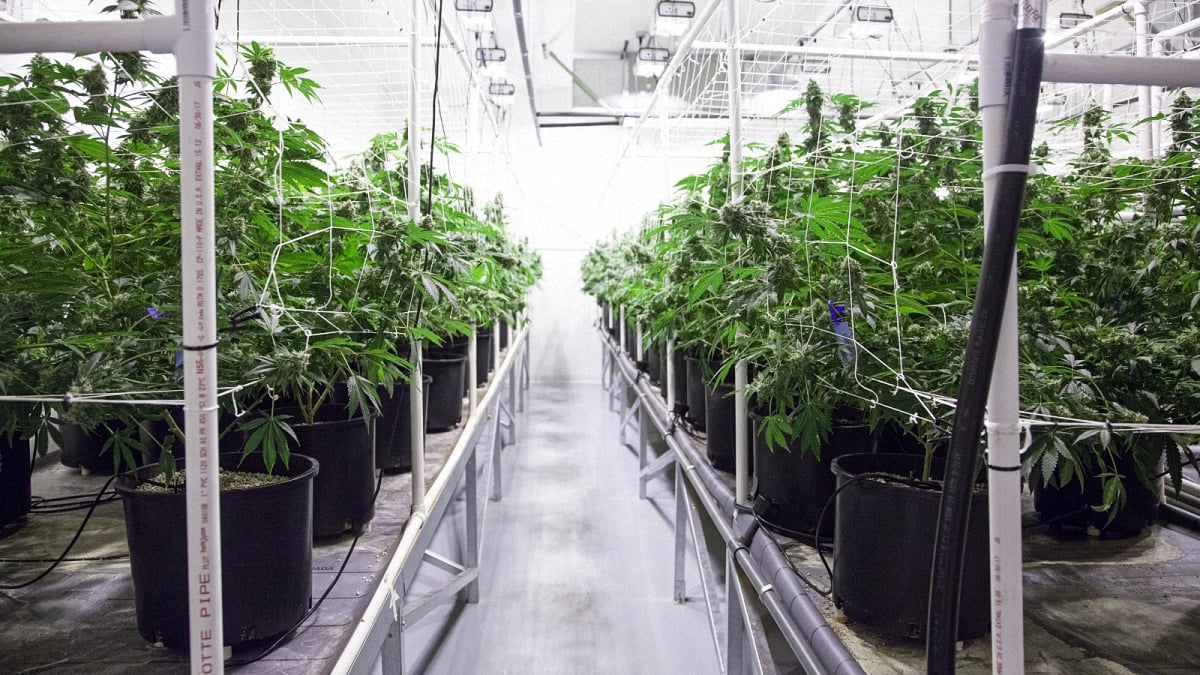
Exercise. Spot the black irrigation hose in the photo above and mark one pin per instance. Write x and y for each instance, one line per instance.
(766, 529)
(986, 318)
(316, 605)
(61, 558)
(45, 505)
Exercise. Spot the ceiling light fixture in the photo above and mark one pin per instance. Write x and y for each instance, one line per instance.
(672, 19)
(476, 15)
(492, 62)
(870, 22)
(651, 61)
(503, 93)
(1072, 19)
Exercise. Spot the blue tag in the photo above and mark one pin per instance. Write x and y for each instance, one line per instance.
(841, 328)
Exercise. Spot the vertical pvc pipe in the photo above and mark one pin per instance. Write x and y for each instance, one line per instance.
(670, 368)
(1003, 425)
(1141, 22)
(472, 370)
(416, 398)
(495, 345)
(640, 352)
(1156, 105)
(196, 57)
(733, 67)
(621, 330)
(416, 429)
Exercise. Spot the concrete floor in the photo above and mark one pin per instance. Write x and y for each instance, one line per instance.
(576, 571)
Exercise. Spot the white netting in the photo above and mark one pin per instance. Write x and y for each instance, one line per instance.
(357, 53)
(920, 52)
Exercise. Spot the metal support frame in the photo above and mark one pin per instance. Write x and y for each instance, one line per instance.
(379, 640)
(696, 508)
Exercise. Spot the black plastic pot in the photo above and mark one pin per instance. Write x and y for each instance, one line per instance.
(503, 334)
(654, 363)
(444, 410)
(344, 491)
(883, 548)
(630, 341)
(792, 487)
(15, 474)
(697, 393)
(82, 448)
(679, 363)
(1070, 509)
(393, 450)
(721, 423)
(483, 356)
(266, 551)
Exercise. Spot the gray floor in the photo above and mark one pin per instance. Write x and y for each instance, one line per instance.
(576, 571)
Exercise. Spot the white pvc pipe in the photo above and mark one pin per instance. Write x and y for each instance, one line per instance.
(621, 330)
(640, 351)
(1156, 105)
(1107, 69)
(156, 34)
(840, 52)
(191, 34)
(414, 215)
(416, 426)
(733, 64)
(1003, 408)
(1141, 43)
(472, 370)
(1088, 26)
(495, 343)
(670, 369)
(741, 456)
(414, 118)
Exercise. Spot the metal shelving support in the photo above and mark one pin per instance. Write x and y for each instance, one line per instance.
(473, 467)
(741, 570)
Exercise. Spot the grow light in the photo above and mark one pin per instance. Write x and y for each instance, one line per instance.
(502, 89)
(476, 15)
(672, 19)
(492, 62)
(1072, 19)
(651, 61)
(869, 22)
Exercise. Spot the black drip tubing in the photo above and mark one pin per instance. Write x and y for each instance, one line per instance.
(999, 253)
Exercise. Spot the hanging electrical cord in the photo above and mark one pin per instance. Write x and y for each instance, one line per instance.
(982, 342)
(62, 558)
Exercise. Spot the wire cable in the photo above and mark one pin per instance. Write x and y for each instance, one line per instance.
(61, 558)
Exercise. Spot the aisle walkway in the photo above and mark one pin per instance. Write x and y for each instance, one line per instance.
(576, 571)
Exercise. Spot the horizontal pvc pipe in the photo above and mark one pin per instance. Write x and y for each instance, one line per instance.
(1135, 70)
(156, 34)
(1098, 21)
(801, 623)
(384, 595)
(841, 52)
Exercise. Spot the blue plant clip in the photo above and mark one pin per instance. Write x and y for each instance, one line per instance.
(841, 328)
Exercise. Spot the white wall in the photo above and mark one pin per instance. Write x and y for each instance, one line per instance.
(565, 196)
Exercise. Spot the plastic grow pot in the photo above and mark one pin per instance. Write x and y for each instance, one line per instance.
(266, 550)
(883, 547)
(444, 410)
(15, 476)
(344, 491)
(393, 450)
